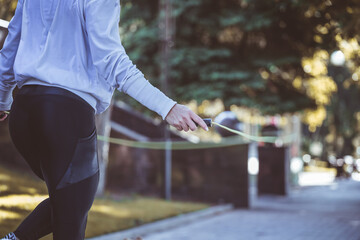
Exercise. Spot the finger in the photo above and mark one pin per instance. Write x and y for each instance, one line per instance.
(199, 121)
(177, 126)
(191, 124)
(3, 116)
(184, 126)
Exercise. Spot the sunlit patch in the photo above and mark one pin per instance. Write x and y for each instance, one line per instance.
(114, 212)
(316, 178)
(296, 165)
(253, 165)
(211, 108)
(4, 177)
(3, 188)
(306, 158)
(297, 83)
(337, 58)
(355, 176)
(322, 29)
(25, 202)
(318, 39)
(265, 74)
(355, 77)
(4, 214)
(29, 190)
(314, 118)
(320, 87)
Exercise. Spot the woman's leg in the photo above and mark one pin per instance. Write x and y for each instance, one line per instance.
(56, 136)
(66, 224)
(71, 205)
(37, 224)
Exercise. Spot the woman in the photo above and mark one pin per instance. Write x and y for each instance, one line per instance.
(67, 59)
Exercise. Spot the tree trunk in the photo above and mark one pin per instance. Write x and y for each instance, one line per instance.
(103, 126)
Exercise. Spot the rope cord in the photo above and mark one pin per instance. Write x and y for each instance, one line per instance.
(180, 145)
(267, 139)
(184, 145)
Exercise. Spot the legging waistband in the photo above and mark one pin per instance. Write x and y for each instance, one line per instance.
(50, 90)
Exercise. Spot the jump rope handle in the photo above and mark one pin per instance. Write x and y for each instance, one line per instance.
(207, 121)
(4, 113)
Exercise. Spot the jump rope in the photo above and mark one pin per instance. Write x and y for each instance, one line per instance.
(185, 145)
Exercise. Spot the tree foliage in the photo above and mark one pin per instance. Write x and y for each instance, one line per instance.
(244, 52)
(270, 55)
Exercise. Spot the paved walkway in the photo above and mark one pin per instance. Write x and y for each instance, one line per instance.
(311, 213)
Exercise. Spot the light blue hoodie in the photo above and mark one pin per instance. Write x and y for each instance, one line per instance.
(75, 45)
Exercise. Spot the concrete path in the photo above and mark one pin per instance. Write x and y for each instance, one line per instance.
(310, 213)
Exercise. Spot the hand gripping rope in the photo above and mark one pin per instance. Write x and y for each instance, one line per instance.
(3, 114)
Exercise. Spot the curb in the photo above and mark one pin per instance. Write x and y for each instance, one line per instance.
(165, 224)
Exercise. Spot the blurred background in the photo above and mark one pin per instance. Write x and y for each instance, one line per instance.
(283, 68)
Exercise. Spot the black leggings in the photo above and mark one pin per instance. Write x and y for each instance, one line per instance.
(54, 130)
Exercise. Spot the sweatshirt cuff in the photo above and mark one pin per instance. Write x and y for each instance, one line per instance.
(141, 90)
(169, 105)
(6, 99)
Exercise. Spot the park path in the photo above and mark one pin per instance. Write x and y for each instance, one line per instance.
(329, 212)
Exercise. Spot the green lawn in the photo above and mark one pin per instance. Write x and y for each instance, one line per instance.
(20, 193)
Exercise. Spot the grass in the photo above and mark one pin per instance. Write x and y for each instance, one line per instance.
(20, 193)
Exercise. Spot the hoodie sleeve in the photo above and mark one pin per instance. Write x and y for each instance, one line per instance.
(111, 61)
(7, 58)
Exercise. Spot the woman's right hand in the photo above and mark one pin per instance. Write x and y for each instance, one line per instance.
(3, 115)
(182, 118)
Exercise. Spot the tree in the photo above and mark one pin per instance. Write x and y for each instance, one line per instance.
(342, 112)
(244, 52)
